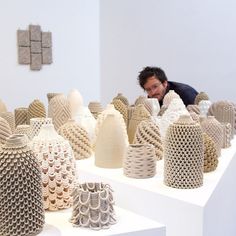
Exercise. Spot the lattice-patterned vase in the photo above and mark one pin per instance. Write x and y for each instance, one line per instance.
(36, 109)
(75, 100)
(184, 154)
(140, 161)
(210, 154)
(201, 96)
(36, 124)
(122, 98)
(10, 118)
(93, 206)
(122, 108)
(59, 110)
(148, 133)
(21, 204)
(78, 139)
(5, 130)
(214, 129)
(21, 116)
(58, 168)
(111, 143)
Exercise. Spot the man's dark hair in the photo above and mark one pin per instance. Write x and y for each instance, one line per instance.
(149, 72)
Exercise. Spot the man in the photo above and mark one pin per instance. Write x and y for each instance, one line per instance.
(154, 81)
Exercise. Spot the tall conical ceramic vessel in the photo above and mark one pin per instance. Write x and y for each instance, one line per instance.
(21, 204)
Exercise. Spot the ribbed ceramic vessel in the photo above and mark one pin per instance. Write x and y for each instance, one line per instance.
(5, 131)
(200, 96)
(148, 133)
(122, 98)
(152, 105)
(23, 129)
(184, 154)
(204, 106)
(21, 116)
(214, 129)
(36, 109)
(224, 112)
(210, 154)
(111, 143)
(193, 108)
(59, 110)
(78, 139)
(140, 161)
(93, 206)
(21, 205)
(3, 107)
(10, 118)
(95, 108)
(52, 95)
(140, 113)
(75, 100)
(169, 97)
(57, 164)
(122, 108)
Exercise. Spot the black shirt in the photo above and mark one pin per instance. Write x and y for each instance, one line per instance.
(186, 92)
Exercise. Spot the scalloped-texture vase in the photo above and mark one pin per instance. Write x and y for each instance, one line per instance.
(122, 98)
(140, 113)
(140, 161)
(152, 105)
(23, 129)
(93, 206)
(21, 205)
(36, 109)
(226, 135)
(139, 100)
(193, 108)
(10, 118)
(184, 154)
(57, 164)
(78, 139)
(204, 106)
(75, 100)
(210, 154)
(122, 108)
(148, 133)
(214, 129)
(59, 110)
(3, 107)
(224, 112)
(169, 97)
(111, 143)
(5, 130)
(200, 96)
(21, 116)
(95, 108)
(36, 124)
(52, 95)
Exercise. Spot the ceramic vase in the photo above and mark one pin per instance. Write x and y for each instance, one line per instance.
(36, 109)
(5, 131)
(75, 100)
(204, 106)
(21, 116)
(10, 118)
(152, 105)
(23, 129)
(122, 98)
(122, 108)
(3, 107)
(169, 97)
(201, 96)
(95, 108)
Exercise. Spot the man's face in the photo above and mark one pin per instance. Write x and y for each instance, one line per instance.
(154, 88)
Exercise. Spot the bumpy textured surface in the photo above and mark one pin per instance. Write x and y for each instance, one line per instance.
(140, 161)
(10, 118)
(36, 109)
(23, 129)
(169, 97)
(21, 116)
(210, 155)
(93, 206)
(78, 139)
(184, 154)
(21, 205)
(224, 112)
(122, 98)
(122, 108)
(59, 110)
(201, 96)
(5, 130)
(148, 133)
(140, 113)
(58, 168)
(214, 129)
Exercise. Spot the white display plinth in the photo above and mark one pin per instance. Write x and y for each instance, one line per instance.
(206, 211)
(128, 224)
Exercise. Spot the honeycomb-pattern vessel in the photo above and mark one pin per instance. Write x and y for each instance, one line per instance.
(148, 133)
(93, 206)
(201, 96)
(184, 154)
(210, 154)
(78, 139)
(140, 161)
(21, 205)
(36, 109)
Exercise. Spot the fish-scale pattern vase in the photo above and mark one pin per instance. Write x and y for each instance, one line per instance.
(184, 154)
(21, 204)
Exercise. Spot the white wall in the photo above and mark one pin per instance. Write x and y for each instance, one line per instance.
(193, 41)
(75, 34)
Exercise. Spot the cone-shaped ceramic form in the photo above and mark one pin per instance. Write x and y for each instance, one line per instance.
(52, 95)
(75, 100)
(193, 108)
(93, 206)
(95, 108)
(152, 105)
(204, 105)
(140, 161)
(10, 118)
(122, 98)
(36, 109)
(139, 100)
(21, 205)
(201, 96)
(184, 154)
(21, 116)
(5, 131)
(169, 97)
(110, 145)
(3, 107)
(122, 108)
